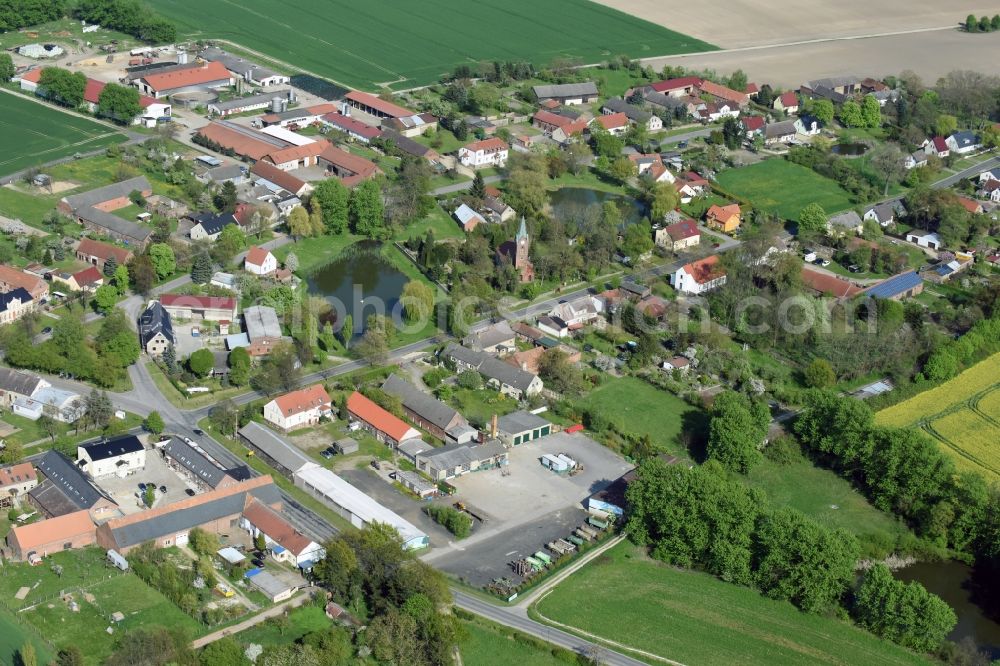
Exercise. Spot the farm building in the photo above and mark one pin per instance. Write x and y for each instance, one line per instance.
(237, 105)
(384, 426)
(468, 218)
(97, 253)
(93, 210)
(453, 460)
(505, 378)
(275, 179)
(263, 331)
(279, 586)
(898, 287)
(277, 451)
(117, 457)
(567, 93)
(350, 168)
(72, 530)
(521, 427)
(355, 506)
(298, 408)
(198, 465)
(13, 278)
(66, 489)
(297, 117)
(355, 129)
(208, 308)
(244, 69)
(423, 409)
(194, 77)
(15, 482)
(15, 384)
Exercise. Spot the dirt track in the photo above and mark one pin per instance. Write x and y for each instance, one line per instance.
(736, 23)
(930, 54)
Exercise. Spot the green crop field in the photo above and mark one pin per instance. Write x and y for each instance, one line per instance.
(405, 44)
(13, 636)
(34, 133)
(785, 188)
(694, 618)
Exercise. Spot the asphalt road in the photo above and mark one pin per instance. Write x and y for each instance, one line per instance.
(971, 172)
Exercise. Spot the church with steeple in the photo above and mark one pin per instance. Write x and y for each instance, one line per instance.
(517, 253)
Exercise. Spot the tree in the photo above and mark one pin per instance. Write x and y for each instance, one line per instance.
(105, 297)
(374, 345)
(201, 362)
(316, 225)
(163, 259)
(116, 341)
(7, 69)
(871, 112)
(27, 655)
(98, 408)
(119, 103)
(70, 656)
(663, 198)
(559, 374)
(231, 241)
(225, 198)
(418, 301)
(298, 222)
(737, 431)
(153, 423)
(851, 115)
(203, 542)
(110, 265)
(201, 269)
(120, 280)
(333, 197)
(904, 613)
(62, 86)
(971, 23)
(224, 652)
(945, 125)
(142, 274)
(347, 331)
(887, 160)
(732, 133)
(823, 110)
(11, 453)
(994, 25)
(820, 374)
(812, 218)
(622, 169)
(478, 189)
(156, 646)
(367, 210)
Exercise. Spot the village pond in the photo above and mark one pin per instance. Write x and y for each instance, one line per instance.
(572, 204)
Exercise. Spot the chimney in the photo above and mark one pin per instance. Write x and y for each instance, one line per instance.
(494, 428)
(524, 366)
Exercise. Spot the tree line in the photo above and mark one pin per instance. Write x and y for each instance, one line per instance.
(17, 14)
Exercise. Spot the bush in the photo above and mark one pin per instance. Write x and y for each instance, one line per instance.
(785, 450)
(434, 378)
(457, 522)
(470, 379)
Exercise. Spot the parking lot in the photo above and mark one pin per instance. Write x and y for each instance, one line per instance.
(187, 344)
(126, 491)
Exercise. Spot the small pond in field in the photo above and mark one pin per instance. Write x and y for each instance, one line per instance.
(572, 203)
(849, 149)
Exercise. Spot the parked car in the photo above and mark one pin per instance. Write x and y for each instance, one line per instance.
(824, 262)
(329, 453)
(163, 489)
(46, 330)
(189, 492)
(198, 431)
(854, 268)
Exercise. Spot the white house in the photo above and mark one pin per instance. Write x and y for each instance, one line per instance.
(964, 142)
(699, 276)
(117, 457)
(260, 261)
(929, 240)
(298, 408)
(285, 542)
(490, 152)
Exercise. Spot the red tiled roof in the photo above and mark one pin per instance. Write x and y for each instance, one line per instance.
(103, 251)
(350, 124)
(753, 123)
(302, 400)
(752, 89)
(16, 474)
(789, 99)
(198, 302)
(682, 230)
(705, 270)
(18, 278)
(283, 179)
(238, 142)
(675, 84)
(375, 416)
(722, 92)
(488, 145)
(191, 76)
(88, 276)
(969, 204)
(612, 120)
(292, 153)
(267, 520)
(257, 255)
(549, 118)
(350, 162)
(388, 108)
(723, 213)
(940, 144)
(828, 284)
(60, 529)
(695, 179)
(92, 93)
(32, 75)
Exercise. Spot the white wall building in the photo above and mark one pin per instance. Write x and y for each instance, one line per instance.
(117, 457)
(486, 153)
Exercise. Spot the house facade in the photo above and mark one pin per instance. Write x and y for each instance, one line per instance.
(483, 154)
(699, 276)
(723, 218)
(259, 261)
(299, 408)
(118, 457)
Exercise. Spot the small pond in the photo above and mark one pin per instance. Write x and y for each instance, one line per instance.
(359, 282)
(569, 203)
(849, 149)
(950, 581)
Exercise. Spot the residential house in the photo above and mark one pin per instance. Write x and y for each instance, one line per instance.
(286, 543)
(929, 240)
(87, 280)
(97, 253)
(753, 125)
(499, 376)
(783, 131)
(916, 159)
(303, 407)
(885, 213)
(483, 154)
(652, 167)
(723, 218)
(383, 425)
(577, 313)
(67, 489)
(699, 276)
(635, 115)
(15, 304)
(410, 126)
(992, 174)
(186, 78)
(208, 308)
(46, 537)
(848, 222)
(156, 331)
(568, 94)
(494, 339)
(260, 261)
(970, 205)
(898, 287)
(494, 207)
(454, 460)
(836, 89)
(690, 185)
(964, 142)
(678, 363)
(549, 122)
(468, 218)
(787, 102)
(680, 87)
(423, 409)
(937, 146)
(990, 189)
(678, 236)
(529, 360)
(521, 427)
(553, 326)
(613, 123)
(410, 147)
(117, 457)
(711, 113)
(12, 278)
(277, 179)
(15, 482)
(18, 384)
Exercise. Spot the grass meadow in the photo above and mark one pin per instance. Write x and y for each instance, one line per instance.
(694, 618)
(785, 188)
(402, 44)
(33, 133)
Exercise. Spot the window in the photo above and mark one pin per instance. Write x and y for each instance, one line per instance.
(68, 545)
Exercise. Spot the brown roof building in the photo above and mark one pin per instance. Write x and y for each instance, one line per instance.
(11, 278)
(97, 253)
(73, 530)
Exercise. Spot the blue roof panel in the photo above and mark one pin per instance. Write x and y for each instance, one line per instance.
(895, 286)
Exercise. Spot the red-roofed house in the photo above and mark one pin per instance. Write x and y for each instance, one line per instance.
(652, 167)
(96, 253)
(677, 87)
(615, 123)
(197, 77)
(350, 168)
(15, 482)
(490, 152)
(375, 106)
(11, 278)
(970, 205)
(151, 108)
(787, 102)
(88, 280)
(71, 530)
(548, 122)
(678, 236)
(724, 93)
(753, 125)
(285, 542)
(823, 283)
(699, 276)
(723, 218)
(752, 89)
(209, 308)
(260, 261)
(383, 425)
(278, 177)
(298, 408)
(937, 146)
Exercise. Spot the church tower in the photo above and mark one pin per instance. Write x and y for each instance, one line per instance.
(523, 246)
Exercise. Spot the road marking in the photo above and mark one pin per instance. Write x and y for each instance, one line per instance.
(510, 553)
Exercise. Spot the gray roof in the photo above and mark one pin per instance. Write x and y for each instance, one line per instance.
(226, 172)
(491, 368)
(781, 128)
(406, 144)
(240, 102)
(235, 64)
(965, 138)
(457, 455)
(108, 192)
(69, 480)
(194, 461)
(155, 319)
(261, 322)
(190, 517)
(275, 447)
(412, 447)
(634, 113)
(113, 448)
(834, 82)
(848, 219)
(17, 381)
(113, 223)
(213, 223)
(520, 421)
(650, 96)
(587, 88)
(489, 336)
(888, 210)
(276, 584)
(52, 500)
(423, 405)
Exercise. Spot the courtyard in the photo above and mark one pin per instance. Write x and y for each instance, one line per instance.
(125, 492)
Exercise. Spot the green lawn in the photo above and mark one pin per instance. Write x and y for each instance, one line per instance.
(638, 407)
(193, 401)
(29, 431)
(443, 141)
(480, 406)
(697, 619)
(416, 44)
(301, 621)
(14, 635)
(486, 644)
(783, 187)
(444, 227)
(315, 252)
(34, 133)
